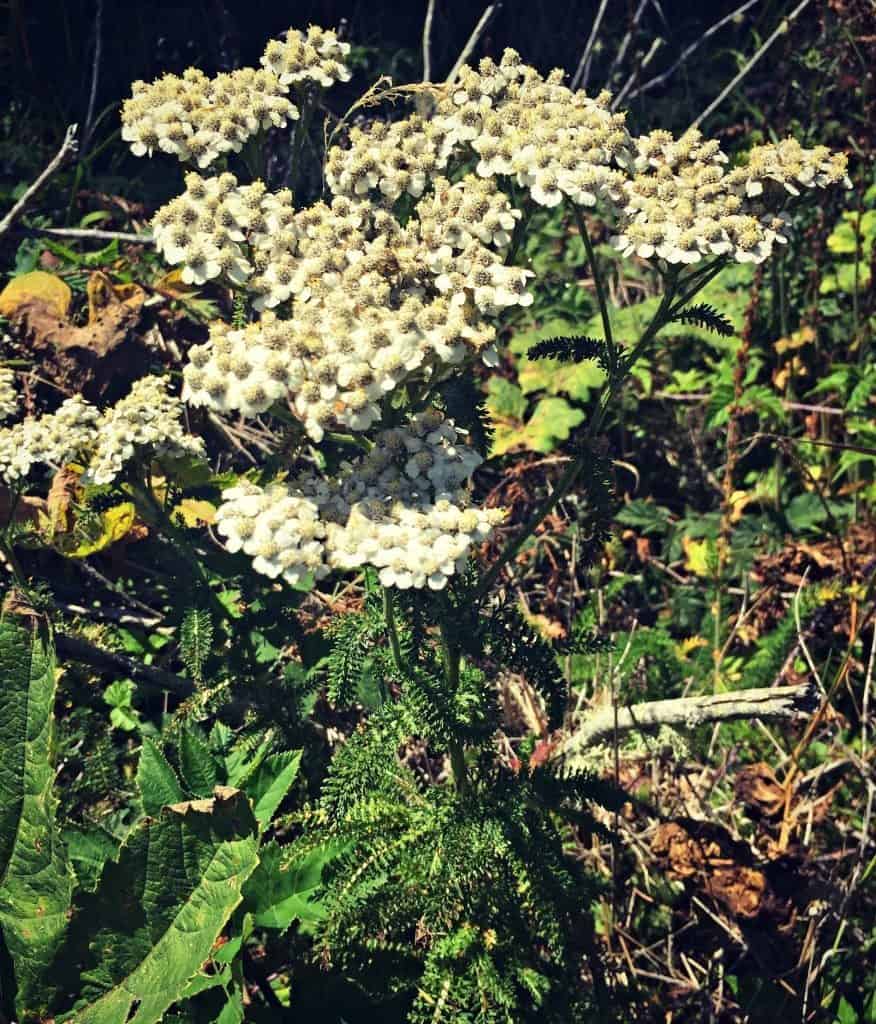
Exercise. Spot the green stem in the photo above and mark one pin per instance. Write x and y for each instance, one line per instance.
(600, 289)
(575, 467)
(392, 632)
(451, 654)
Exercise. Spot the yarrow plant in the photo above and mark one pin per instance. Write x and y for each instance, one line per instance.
(360, 319)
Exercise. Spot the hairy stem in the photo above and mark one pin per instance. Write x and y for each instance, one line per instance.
(622, 368)
(392, 632)
(600, 288)
(450, 654)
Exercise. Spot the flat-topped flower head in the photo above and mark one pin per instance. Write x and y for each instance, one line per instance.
(316, 57)
(402, 508)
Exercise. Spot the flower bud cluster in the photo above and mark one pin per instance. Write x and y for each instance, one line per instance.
(49, 440)
(8, 393)
(315, 56)
(401, 508)
(552, 141)
(198, 119)
(682, 204)
(145, 421)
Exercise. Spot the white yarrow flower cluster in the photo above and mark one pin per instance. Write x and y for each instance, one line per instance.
(49, 440)
(394, 281)
(376, 303)
(316, 56)
(682, 204)
(516, 123)
(401, 508)
(146, 422)
(280, 531)
(198, 119)
(8, 393)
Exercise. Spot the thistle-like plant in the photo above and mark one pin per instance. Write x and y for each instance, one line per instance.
(359, 320)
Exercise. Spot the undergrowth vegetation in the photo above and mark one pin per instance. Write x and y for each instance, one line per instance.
(437, 543)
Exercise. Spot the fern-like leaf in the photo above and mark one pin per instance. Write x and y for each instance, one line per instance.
(570, 350)
(195, 640)
(706, 316)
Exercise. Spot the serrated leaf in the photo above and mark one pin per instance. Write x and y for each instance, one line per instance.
(577, 380)
(157, 912)
(200, 770)
(270, 783)
(156, 780)
(195, 640)
(35, 877)
(280, 890)
(245, 757)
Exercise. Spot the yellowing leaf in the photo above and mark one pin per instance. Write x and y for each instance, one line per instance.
(195, 512)
(797, 339)
(37, 286)
(117, 523)
(698, 556)
(738, 502)
(690, 644)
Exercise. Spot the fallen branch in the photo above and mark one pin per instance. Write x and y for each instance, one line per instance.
(90, 233)
(76, 649)
(68, 148)
(689, 712)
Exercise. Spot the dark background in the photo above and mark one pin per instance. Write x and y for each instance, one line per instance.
(47, 50)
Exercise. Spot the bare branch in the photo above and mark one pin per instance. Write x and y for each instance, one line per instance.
(688, 51)
(77, 649)
(427, 42)
(90, 233)
(783, 27)
(68, 148)
(689, 712)
(95, 74)
(656, 43)
(582, 72)
(479, 30)
(625, 42)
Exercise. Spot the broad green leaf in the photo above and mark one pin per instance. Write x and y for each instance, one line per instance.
(280, 890)
(200, 770)
(270, 783)
(244, 758)
(89, 850)
(159, 909)
(35, 877)
(156, 780)
(505, 400)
